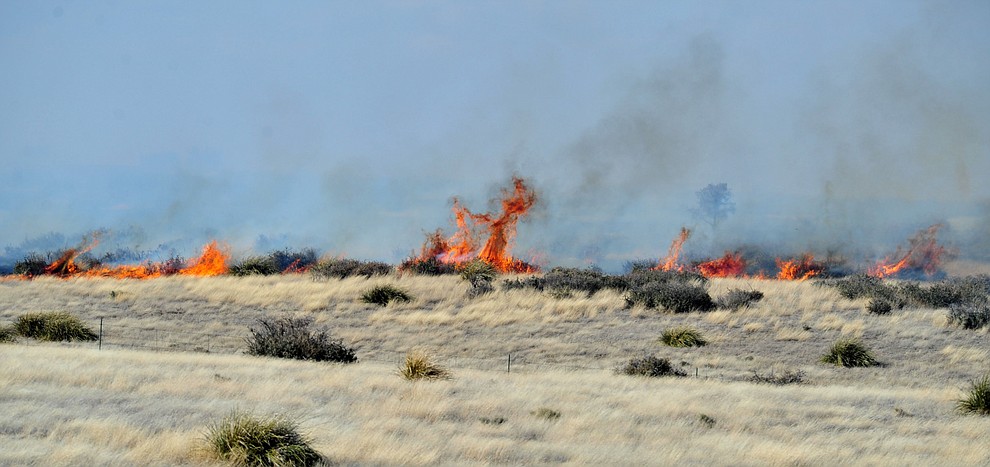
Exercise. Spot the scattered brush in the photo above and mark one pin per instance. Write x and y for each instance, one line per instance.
(245, 439)
(782, 379)
(651, 366)
(383, 294)
(339, 268)
(254, 265)
(682, 337)
(546, 413)
(480, 275)
(297, 339)
(735, 299)
(427, 267)
(977, 400)
(879, 306)
(53, 326)
(849, 353)
(969, 315)
(8, 334)
(32, 265)
(419, 365)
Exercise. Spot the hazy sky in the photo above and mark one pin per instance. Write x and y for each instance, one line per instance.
(349, 125)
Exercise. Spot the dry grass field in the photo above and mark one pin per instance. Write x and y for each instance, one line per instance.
(172, 363)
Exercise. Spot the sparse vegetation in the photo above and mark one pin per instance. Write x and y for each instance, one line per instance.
(969, 315)
(879, 306)
(673, 296)
(53, 326)
(977, 399)
(682, 337)
(546, 413)
(651, 366)
(707, 420)
(7, 334)
(849, 353)
(249, 440)
(382, 295)
(735, 299)
(339, 268)
(420, 365)
(32, 265)
(296, 338)
(778, 379)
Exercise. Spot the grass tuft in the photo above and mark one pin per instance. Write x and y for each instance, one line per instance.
(849, 353)
(977, 400)
(651, 366)
(782, 379)
(419, 365)
(546, 413)
(248, 440)
(8, 334)
(682, 337)
(383, 294)
(53, 326)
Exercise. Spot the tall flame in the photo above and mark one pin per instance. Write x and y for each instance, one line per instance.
(730, 265)
(923, 254)
(213, 262)
(669, 262)
(799, 269)
(500, 229)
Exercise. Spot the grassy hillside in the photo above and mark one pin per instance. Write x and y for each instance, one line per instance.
(72, 404)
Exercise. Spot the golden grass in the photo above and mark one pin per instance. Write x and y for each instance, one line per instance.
(69, 404)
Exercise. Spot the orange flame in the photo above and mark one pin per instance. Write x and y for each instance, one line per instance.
(799, 269)
(669, 262)
(730, 265)
(213, 262)
(923, 254)
(501, 230)
(65, 265)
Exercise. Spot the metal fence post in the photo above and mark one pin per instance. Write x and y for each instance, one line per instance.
(101, 334)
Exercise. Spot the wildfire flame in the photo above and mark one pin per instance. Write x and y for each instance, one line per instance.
(730, 265)
(213, 262)
(799, 269)
(923, 254)
(462, 246)
(669, 262)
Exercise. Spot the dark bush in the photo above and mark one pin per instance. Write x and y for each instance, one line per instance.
(297, 339)
(244, 439)
(641, 277)
(32, 265)
(588, 281)
(947, 293)
(53, 326)
(383, 294)
(8, 334)
(879, 306)
(861, 285)
(969, 315)
(737, 298)
(293, 261)
(427, 267)
(787, 377)
(254, 265)
(674, 296)
(651, 366)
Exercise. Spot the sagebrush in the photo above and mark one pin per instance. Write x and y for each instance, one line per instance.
(651, 366)
(296, 338)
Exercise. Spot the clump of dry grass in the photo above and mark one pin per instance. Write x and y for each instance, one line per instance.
(245, 439)
(420, 365)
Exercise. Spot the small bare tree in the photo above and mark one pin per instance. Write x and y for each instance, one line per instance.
(714, 204)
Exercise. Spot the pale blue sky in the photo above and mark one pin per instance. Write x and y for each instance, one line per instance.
(349, 125)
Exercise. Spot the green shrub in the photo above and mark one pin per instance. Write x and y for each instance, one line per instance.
(546, 413)
(340, 268)
(245, 439)
(861, 285)
(295, 338)
(53, 326)
(977, 400)
(682, 337)
(651, 366)
(787, 377)
(969, 315)
(849, 353)
(383, 294)
(419, 365)
(879, 306)
(255, 265)
(673, 296)
(949, 292)
(735, 299)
